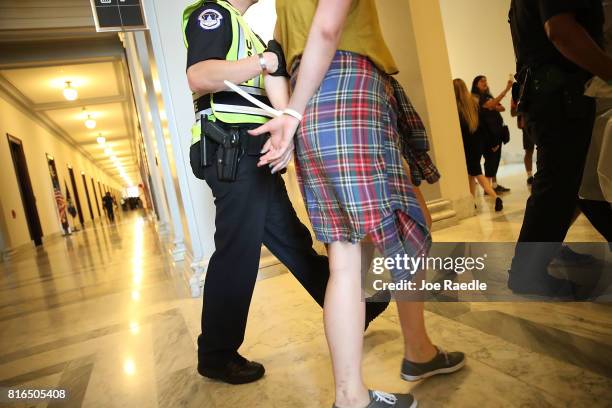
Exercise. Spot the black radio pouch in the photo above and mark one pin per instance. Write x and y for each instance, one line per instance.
(208, 148)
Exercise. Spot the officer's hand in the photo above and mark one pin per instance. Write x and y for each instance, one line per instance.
(271, 61)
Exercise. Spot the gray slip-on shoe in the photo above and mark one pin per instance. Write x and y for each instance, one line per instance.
(379, 399)
(442, 363)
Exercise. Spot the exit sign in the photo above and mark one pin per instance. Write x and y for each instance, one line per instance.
(118, 15)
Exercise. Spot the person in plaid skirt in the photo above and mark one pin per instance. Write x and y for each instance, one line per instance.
(352, 176)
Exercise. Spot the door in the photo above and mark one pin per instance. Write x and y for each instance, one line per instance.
(100, 188)
(77, 200)
(87, 195)
(25, 188)
(93, 187)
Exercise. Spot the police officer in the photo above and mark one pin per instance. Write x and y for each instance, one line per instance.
(558, 46)
(252, 205)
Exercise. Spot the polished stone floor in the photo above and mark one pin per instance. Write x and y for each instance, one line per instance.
(104, 314)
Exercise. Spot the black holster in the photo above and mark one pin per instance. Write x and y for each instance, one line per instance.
(228, 148)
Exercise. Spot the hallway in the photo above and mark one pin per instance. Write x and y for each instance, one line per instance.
(106, 315)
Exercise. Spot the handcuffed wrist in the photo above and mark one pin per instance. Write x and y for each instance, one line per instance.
(293, 113)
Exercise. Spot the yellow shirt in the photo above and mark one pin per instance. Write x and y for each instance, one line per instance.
(361, 35)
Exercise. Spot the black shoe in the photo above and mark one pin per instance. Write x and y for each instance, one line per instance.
(235, 372)
(530, 180)
(442, 363)
(544, 285)
(567, 257)
(501, 189)
(375, 305)
(499, 204)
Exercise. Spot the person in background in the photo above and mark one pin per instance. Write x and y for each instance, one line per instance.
(558, 47)
(351, 173)
(472, 135)
(528, 144)
(493, 127)
(109, 205)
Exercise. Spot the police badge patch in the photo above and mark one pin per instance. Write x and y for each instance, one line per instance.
(210, 19)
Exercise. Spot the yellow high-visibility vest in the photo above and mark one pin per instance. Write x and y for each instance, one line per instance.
(228, 106)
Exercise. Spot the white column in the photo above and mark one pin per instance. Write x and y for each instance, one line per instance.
(147, 133)
(436, 77)
(164, 19)
(178, 251)
(414, 32)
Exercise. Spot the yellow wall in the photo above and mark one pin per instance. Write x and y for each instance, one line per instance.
(37, 142)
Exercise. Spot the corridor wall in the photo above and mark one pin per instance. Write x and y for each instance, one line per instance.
(37, 142)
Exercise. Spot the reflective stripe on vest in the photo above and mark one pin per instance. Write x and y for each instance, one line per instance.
(244, 44)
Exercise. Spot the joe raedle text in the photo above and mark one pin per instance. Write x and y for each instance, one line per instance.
(448, 285)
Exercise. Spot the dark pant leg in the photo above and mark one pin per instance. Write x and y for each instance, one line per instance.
(492, 159)
(599, 214)
(290, 241)
(232, 271)
(562, 149)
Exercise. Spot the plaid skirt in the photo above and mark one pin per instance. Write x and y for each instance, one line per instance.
(349, 162)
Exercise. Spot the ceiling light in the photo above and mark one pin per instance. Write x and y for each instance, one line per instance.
(101, 139)
(70, 93)
(90, 123)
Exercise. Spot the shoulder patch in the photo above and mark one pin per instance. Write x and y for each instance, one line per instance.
(210, 19)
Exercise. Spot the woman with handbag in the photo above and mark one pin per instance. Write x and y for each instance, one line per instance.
(493, 125)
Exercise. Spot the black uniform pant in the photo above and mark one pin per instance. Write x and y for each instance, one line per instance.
(110, 213)
(562, 135)
(254, 209)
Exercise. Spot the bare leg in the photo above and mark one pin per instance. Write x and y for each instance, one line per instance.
(528, 161)
(486, 185)
(344, 316)
(472, 186)
(418, 348)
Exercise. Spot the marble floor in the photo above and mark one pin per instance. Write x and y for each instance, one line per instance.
(106, 315)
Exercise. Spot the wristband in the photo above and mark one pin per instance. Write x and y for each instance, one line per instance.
(262, 63)
(293, 113)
